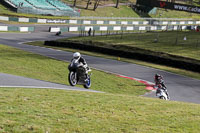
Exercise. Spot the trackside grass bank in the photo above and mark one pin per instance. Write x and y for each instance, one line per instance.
(118, 110)
(26, 64)
(171, 42)
(44, 110)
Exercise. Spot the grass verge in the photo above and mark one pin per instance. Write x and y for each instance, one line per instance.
(171, 42)
(122, 11)
(44, 110)
(119, 110)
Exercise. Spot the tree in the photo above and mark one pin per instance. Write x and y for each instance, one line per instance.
(88, 4)
(74, 3)
(117, 3)
(96, 4)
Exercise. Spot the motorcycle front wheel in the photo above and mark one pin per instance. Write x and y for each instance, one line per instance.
(88, 84)
(72, 78)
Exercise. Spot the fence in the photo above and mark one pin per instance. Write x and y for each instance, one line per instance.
(121, 28)
(127, 18)
(92, 21)
(16, 28)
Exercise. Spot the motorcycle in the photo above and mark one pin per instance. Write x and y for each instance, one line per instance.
(162, 94)
(78, 75)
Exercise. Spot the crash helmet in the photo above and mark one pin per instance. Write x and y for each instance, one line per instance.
(157, 76)
(76, 55)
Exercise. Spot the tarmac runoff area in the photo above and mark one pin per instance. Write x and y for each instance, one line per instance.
(12, 81)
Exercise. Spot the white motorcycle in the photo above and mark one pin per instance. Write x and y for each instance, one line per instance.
(78, 75)
(161, 93)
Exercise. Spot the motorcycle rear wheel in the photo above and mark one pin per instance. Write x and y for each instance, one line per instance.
(72, 78)
(162, 97)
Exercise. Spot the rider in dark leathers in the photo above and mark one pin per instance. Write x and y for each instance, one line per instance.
(159, 80)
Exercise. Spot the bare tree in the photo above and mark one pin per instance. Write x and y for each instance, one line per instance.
(117, 3)
(88, 4)
(96, 4)
(74, 3)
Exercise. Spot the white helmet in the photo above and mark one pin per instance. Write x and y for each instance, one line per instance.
(76, 55)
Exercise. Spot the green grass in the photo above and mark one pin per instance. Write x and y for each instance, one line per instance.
(118, 110)
(44, 110)
(123, 11)
(26, 64)
(166, 42)
(162, 13)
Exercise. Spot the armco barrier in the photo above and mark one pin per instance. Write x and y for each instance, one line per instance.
(137, 53)
(118, 28)
(106, 22)
(15, 28)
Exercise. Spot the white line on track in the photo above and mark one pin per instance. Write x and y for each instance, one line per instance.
(37, 87)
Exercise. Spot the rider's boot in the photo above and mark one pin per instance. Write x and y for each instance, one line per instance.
(167, 95)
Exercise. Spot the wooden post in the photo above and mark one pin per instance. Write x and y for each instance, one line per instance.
(93, 33)
(121, 34)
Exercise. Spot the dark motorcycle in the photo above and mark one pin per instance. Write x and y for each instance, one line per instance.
(78, 75)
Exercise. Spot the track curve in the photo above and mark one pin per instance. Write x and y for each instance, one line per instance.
(180, 88)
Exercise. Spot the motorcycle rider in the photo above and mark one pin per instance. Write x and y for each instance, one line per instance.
(77, 57)
(159, 82)
(163, 88)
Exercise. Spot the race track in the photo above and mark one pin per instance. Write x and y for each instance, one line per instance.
(180, 88)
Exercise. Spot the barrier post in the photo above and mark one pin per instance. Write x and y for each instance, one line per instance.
(107, 33)
(176, 42)
(121, 34)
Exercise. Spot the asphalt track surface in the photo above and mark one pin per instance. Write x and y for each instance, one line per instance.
(8, 80)
(180, 88)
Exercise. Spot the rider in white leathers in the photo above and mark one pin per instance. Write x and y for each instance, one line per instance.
(77, 57)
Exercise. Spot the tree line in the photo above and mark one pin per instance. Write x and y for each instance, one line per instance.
(96, 3)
